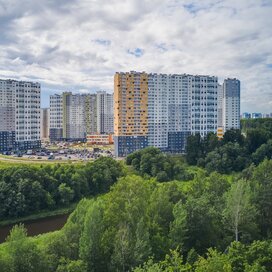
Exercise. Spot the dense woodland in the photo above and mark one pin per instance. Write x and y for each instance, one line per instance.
(236, 151)
(155, 213)
(28, 189)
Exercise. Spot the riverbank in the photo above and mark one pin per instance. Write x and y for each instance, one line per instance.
(38, 226)
(39, 215)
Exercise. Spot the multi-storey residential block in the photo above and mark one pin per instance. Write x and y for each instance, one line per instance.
(104, 113)
(220, 106)
(231, 104)
(91, 113)
(162, 110)
(130, 112)
(56, 118)
(246, 115)
(256, 115)
(45, 115)
(74, 116)
(20, 115)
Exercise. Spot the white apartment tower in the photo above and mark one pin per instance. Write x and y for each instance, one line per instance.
(231, 104)
(180, 105)
(74, 118)
(177, 105)
(20, 115)
(220, 106)
(91, 113)
(56, 115)
(104, 113)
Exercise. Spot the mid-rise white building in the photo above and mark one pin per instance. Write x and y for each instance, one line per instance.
(231, 104)
(20, 115)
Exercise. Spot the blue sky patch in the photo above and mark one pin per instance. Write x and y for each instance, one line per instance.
(103, 42)
(137, 52)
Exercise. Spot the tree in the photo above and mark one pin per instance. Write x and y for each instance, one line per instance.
(233, 136)
(255, 138)
(67, 265)
(240, 213)
(227, 158)
(194, 149)
(91, 246)
(24, 253)
(173, 262)
(66, 194)
(215, 262)
(261, 184)
(264, 151)
(179, 227)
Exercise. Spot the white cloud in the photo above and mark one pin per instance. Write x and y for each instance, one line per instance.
(79, 44)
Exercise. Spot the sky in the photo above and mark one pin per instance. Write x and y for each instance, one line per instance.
(78, 45)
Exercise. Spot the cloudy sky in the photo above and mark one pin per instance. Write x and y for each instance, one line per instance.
(78, 45)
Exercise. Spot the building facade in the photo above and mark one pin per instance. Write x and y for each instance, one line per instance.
(45, 123)
(99, 139)
(20, 115)
(56, 116)
(130, 112)
(162, 110)
(104, 102)
(231, 104)
(91, 113)
(74, 116)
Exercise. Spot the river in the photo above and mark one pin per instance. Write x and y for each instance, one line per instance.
(38, 226)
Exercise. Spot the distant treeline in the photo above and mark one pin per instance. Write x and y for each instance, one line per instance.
(236, 151)
(28, 189)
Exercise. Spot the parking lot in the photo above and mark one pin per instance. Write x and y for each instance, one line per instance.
(62, 153)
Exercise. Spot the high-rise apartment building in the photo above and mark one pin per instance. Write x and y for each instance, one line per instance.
(231, 104)
(130, 112)
(256, 115)
(246, 115)
(56, 116)
(220, 106)
(162, 110)
(104, 112)
(20, 115)
(91, 113)
(45, 115)
(74, 116)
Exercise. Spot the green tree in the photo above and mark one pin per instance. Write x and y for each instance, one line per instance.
(194, 149)
(67, 265)
(233, 136)
(240, 213)
(179, 227)
(24, 253)
(91, 245)
(215, 262)
(255, 138)
(66, 194)
(261, 184)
